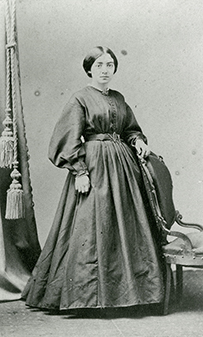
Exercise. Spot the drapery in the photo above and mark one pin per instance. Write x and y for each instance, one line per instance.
(19, 245)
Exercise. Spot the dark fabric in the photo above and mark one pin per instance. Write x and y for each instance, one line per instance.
(100, 251)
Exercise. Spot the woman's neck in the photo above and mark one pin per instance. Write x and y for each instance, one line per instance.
(99, 86)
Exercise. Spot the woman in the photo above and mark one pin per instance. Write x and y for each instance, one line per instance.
(100, 251)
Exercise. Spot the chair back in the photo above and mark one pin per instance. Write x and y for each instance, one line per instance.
(159, 187)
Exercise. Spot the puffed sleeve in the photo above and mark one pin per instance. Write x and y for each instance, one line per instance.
(66, 149)
(132, 130)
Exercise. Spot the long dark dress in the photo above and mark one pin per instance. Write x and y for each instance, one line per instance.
(100, 251)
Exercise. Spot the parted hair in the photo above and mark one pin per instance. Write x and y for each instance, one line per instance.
(94, 54)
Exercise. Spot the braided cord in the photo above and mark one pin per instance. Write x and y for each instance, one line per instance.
(8, 59)
(6, 139)
(13, 82)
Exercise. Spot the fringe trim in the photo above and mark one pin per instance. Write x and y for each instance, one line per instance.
(6, 151)
(15, 203)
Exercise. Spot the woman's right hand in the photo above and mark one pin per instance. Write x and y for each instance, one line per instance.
(82, 183)
(142, 148)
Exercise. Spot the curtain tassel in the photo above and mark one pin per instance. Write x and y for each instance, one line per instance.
(7, 144)
(15, 205)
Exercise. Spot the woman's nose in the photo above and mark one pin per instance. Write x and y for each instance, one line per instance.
(104, 69)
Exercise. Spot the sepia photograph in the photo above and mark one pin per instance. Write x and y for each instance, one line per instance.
(101, 168)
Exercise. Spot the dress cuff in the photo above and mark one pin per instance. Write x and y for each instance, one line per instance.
(80, 168)
(132, 140)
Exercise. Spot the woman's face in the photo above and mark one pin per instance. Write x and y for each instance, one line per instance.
(102, 70)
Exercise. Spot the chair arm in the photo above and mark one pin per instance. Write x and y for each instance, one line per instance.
(178, 219)
(187, 241)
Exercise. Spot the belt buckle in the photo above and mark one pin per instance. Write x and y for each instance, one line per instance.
(116, 137)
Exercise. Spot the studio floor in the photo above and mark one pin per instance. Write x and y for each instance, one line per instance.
(16, 320)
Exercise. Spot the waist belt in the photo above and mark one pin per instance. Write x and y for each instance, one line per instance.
(115, 137)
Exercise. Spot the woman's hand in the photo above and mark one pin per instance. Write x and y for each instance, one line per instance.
(142, 148)
(82, 183)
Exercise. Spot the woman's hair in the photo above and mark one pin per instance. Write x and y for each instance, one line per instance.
(94, 54)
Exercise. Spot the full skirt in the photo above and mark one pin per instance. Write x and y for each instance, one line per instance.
(101, 251)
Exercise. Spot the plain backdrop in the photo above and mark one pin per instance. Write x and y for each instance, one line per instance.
(159, 44)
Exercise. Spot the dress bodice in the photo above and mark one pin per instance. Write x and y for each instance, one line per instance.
(89, 112)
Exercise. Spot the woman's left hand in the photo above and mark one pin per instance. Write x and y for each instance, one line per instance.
(142, 148)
